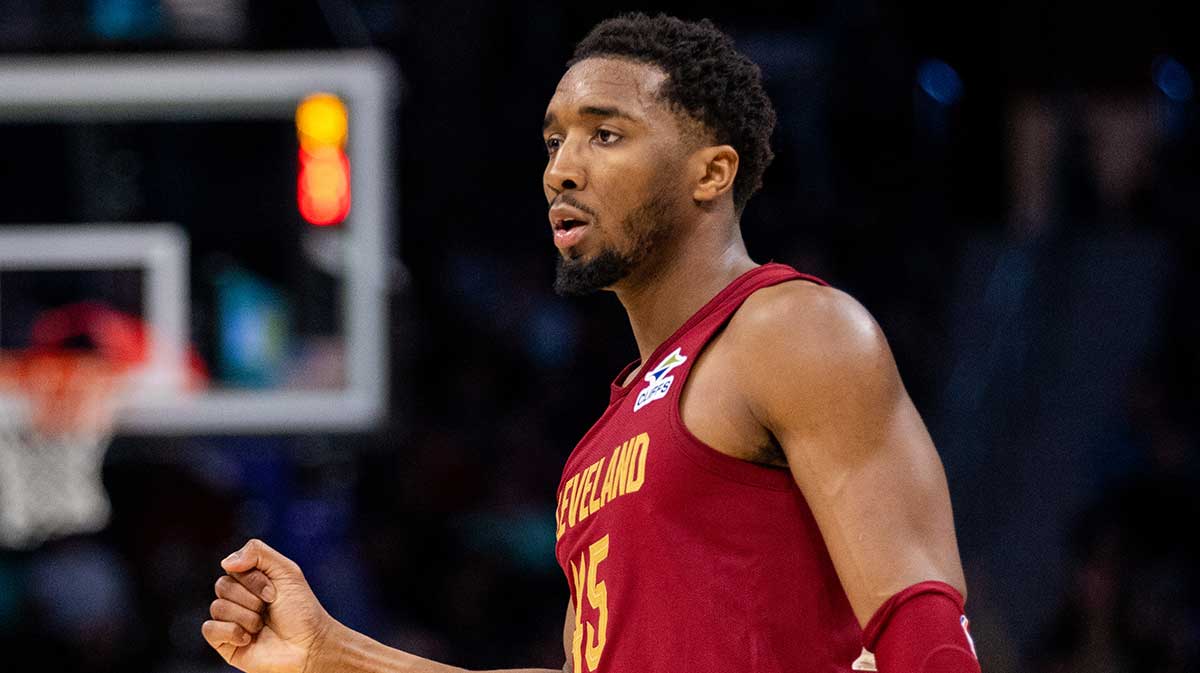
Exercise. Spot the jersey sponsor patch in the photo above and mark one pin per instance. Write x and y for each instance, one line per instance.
(864, 662)
(658, 381)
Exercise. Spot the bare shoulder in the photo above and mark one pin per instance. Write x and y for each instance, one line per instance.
(810, 321)
(798, 340)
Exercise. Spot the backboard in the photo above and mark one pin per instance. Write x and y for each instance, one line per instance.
(166, 185)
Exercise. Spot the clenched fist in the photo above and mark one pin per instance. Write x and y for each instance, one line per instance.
(265, 618)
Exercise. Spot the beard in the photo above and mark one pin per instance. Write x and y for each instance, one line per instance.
(579, 277)
(646, 227)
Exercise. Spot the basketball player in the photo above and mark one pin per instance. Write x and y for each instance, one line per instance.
(760, 495)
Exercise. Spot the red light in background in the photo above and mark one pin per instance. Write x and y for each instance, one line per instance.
(323, 189)
(323, 186)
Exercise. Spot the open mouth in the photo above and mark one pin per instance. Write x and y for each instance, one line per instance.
(569, 224)
(569, 232)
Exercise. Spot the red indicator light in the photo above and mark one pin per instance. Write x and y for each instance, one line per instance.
(323, 186)
(323, 189)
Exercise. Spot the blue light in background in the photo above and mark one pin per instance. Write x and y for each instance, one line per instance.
(253, 320)
(1173, 79)
(125, 19)
(940, 81)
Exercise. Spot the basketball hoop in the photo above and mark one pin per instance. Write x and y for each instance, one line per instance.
(52, 443)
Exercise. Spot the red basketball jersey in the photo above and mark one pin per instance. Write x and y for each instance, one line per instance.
(682, 559)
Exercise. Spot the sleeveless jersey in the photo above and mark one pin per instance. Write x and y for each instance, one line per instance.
(683, 559)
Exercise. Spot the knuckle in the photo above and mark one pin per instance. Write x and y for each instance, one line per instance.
(213, 631)
(292, 567)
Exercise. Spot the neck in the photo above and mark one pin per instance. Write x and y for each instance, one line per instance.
(679, 282)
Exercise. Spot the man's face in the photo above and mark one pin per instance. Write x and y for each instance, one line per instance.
(613, 174)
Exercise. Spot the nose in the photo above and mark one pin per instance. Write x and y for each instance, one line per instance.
(565, 170)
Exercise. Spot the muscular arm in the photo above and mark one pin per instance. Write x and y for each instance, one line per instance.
(266, 619)
(347, 651)
(353, 652)
(818, 374)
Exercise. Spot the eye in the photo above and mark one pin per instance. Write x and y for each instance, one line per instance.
(553, 143)
(606, 137)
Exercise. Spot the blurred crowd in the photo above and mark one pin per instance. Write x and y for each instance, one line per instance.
(1018, 212)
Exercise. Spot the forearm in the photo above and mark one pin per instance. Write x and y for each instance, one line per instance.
(344, 650)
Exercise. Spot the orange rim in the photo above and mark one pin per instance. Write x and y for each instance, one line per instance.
(69, 392)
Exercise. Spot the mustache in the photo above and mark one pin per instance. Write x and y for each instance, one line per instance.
(574, 203)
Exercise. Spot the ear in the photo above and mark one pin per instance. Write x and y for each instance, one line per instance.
(717, 166)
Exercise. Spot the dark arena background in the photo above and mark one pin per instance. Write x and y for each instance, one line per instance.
(388, 393)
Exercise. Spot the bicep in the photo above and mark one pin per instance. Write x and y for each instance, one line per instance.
(884, 507)
(864, 461)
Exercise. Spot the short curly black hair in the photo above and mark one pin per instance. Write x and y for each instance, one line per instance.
(707, 78)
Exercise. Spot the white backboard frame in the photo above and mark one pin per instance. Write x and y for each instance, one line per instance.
(158, 250)
(269, 85)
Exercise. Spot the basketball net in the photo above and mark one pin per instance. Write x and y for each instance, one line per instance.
(52, 443)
